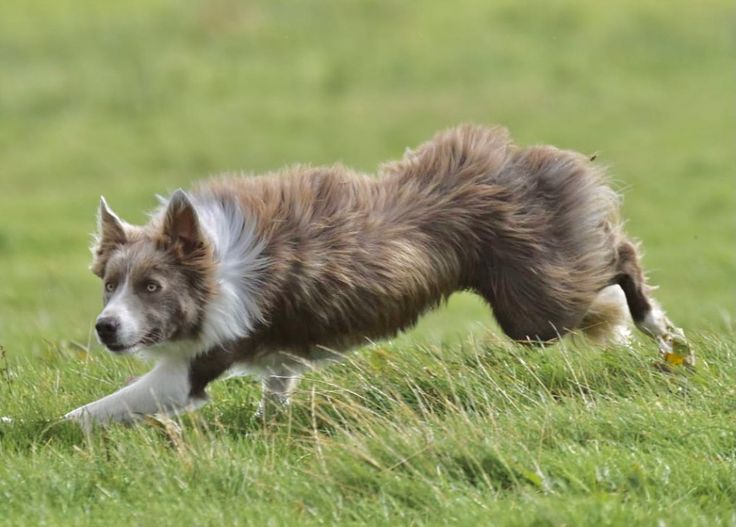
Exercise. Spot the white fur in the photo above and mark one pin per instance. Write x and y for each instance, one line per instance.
(655, 322)
(670, 339)
(621, 332)
(655, 325)
(165, 389)
(621, 335)
(234, 311)
(119, 307)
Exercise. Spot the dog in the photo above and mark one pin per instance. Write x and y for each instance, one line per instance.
(277, 273)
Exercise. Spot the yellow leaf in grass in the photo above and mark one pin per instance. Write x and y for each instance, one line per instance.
(674, 358)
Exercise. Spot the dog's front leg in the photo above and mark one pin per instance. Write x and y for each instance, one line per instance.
(165, 389)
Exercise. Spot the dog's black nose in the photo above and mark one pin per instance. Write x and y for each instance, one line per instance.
(107, 327)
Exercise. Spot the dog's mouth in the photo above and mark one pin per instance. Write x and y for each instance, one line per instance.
(121, 348)
(150, 339)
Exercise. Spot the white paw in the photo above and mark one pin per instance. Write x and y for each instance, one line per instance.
(75, 415)
(271, 405)
(82, 417)
(655, 322)
(92, 414)
(675, 348)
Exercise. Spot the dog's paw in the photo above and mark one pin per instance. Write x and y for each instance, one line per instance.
(75, 415)
(81, 416)
(675, 348)
(271, 407)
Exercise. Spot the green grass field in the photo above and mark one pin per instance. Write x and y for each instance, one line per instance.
(448, 424)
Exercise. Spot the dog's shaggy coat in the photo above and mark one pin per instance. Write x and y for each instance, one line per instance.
(273, 273)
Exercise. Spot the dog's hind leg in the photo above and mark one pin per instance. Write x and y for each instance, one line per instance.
(527, 309)
(607, 321)
(646, 312)
(278, 384)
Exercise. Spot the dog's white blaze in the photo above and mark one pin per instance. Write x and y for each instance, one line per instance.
(119, 307)
(234, 310)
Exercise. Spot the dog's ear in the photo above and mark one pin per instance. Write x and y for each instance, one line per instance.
(181, 223)
(110, 228)
(110, 233)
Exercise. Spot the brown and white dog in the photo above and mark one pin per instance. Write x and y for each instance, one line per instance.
(276, 273)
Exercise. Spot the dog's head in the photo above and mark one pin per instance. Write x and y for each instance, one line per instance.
(156, 278)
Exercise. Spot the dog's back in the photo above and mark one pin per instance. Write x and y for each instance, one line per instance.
(353, 257)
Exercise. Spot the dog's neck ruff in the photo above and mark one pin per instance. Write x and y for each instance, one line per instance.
(233, 310)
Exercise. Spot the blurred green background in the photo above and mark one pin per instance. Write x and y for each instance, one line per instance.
(129, 99)
(134, 98)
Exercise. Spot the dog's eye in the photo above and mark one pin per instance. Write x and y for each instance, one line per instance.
(152, 287)
(109, 287)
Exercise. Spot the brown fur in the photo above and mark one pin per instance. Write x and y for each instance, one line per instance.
(351, 258)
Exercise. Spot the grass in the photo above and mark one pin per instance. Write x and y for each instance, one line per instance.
(447, 424)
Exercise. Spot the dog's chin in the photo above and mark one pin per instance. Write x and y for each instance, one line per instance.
(120, 349)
